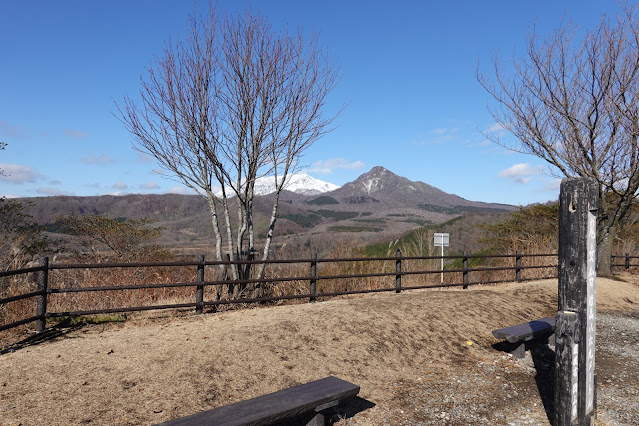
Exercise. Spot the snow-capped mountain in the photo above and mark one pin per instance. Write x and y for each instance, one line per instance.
(300, 183)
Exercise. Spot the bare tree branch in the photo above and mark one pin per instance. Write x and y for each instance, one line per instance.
(573, 101)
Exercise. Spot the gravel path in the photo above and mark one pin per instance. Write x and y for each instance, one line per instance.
(618, 368)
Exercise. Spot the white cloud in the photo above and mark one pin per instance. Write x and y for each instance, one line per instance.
(76, 134)
(47, 190)
(10, 196)
(179, 189)
(495, 128)
(149, 185)
(101, 159)
(438, 136)
(553, 185)
(520, 172)
(15, 132)
(143, 157)
(18, 174)
(329, 166)
(120, 185)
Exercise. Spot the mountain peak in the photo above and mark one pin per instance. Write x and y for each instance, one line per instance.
(376, 179)
(379, 170)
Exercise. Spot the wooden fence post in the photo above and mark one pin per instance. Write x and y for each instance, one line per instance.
(578, 204)
(517, 266)
(313, 278)
(398, 271)
(465, 273)
(627, 262)
(43, 283)
(199, 294)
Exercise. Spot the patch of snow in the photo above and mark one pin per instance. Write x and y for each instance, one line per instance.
(370, 184)
(300, 183)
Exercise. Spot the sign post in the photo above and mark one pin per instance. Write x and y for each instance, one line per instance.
(575, 330)
(441, 239)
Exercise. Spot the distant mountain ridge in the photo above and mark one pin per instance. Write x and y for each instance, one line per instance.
(383, 186)
(377, 205)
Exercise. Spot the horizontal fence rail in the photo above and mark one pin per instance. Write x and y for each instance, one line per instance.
(627, 261)
(397, 267)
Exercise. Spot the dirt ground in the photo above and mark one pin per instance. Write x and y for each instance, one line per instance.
(420, 357)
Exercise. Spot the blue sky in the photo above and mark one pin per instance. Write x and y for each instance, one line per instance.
(414, 105)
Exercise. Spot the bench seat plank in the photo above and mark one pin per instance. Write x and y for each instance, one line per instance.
(526, 331)
(274, 406)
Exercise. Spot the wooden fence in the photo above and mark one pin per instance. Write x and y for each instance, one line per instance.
(469, 276)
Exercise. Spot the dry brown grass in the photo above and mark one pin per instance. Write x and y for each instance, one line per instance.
(156, 367)
(112, 299)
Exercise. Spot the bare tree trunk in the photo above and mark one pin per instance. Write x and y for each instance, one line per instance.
(269, 235)
(234, 288)
(216, 227)
(604, 252)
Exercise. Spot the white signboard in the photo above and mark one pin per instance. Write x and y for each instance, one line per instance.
(441, 240)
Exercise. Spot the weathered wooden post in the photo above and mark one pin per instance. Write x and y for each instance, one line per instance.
(517, 266)
(313, 289)
(627, 263)
(43, 283)
(199, 294)
(465, 267)
(398, 271)
(575, 331)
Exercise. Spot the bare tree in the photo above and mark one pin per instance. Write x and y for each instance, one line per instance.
(233, 102)
(573, 101)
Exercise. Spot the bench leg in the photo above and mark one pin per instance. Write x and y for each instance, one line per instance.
(321, 412)
(520, 351)
(318, 420)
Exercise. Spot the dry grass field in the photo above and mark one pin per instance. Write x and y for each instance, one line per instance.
(420, 357)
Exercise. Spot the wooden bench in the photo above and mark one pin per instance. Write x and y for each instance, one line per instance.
(527, 335)
(314, 398)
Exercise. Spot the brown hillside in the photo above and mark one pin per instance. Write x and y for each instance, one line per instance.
(419, 357)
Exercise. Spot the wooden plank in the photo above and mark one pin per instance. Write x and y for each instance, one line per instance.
(275, 406)
(526, 331)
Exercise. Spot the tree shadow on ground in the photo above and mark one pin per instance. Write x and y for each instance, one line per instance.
(37, 338)
(58, 330)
